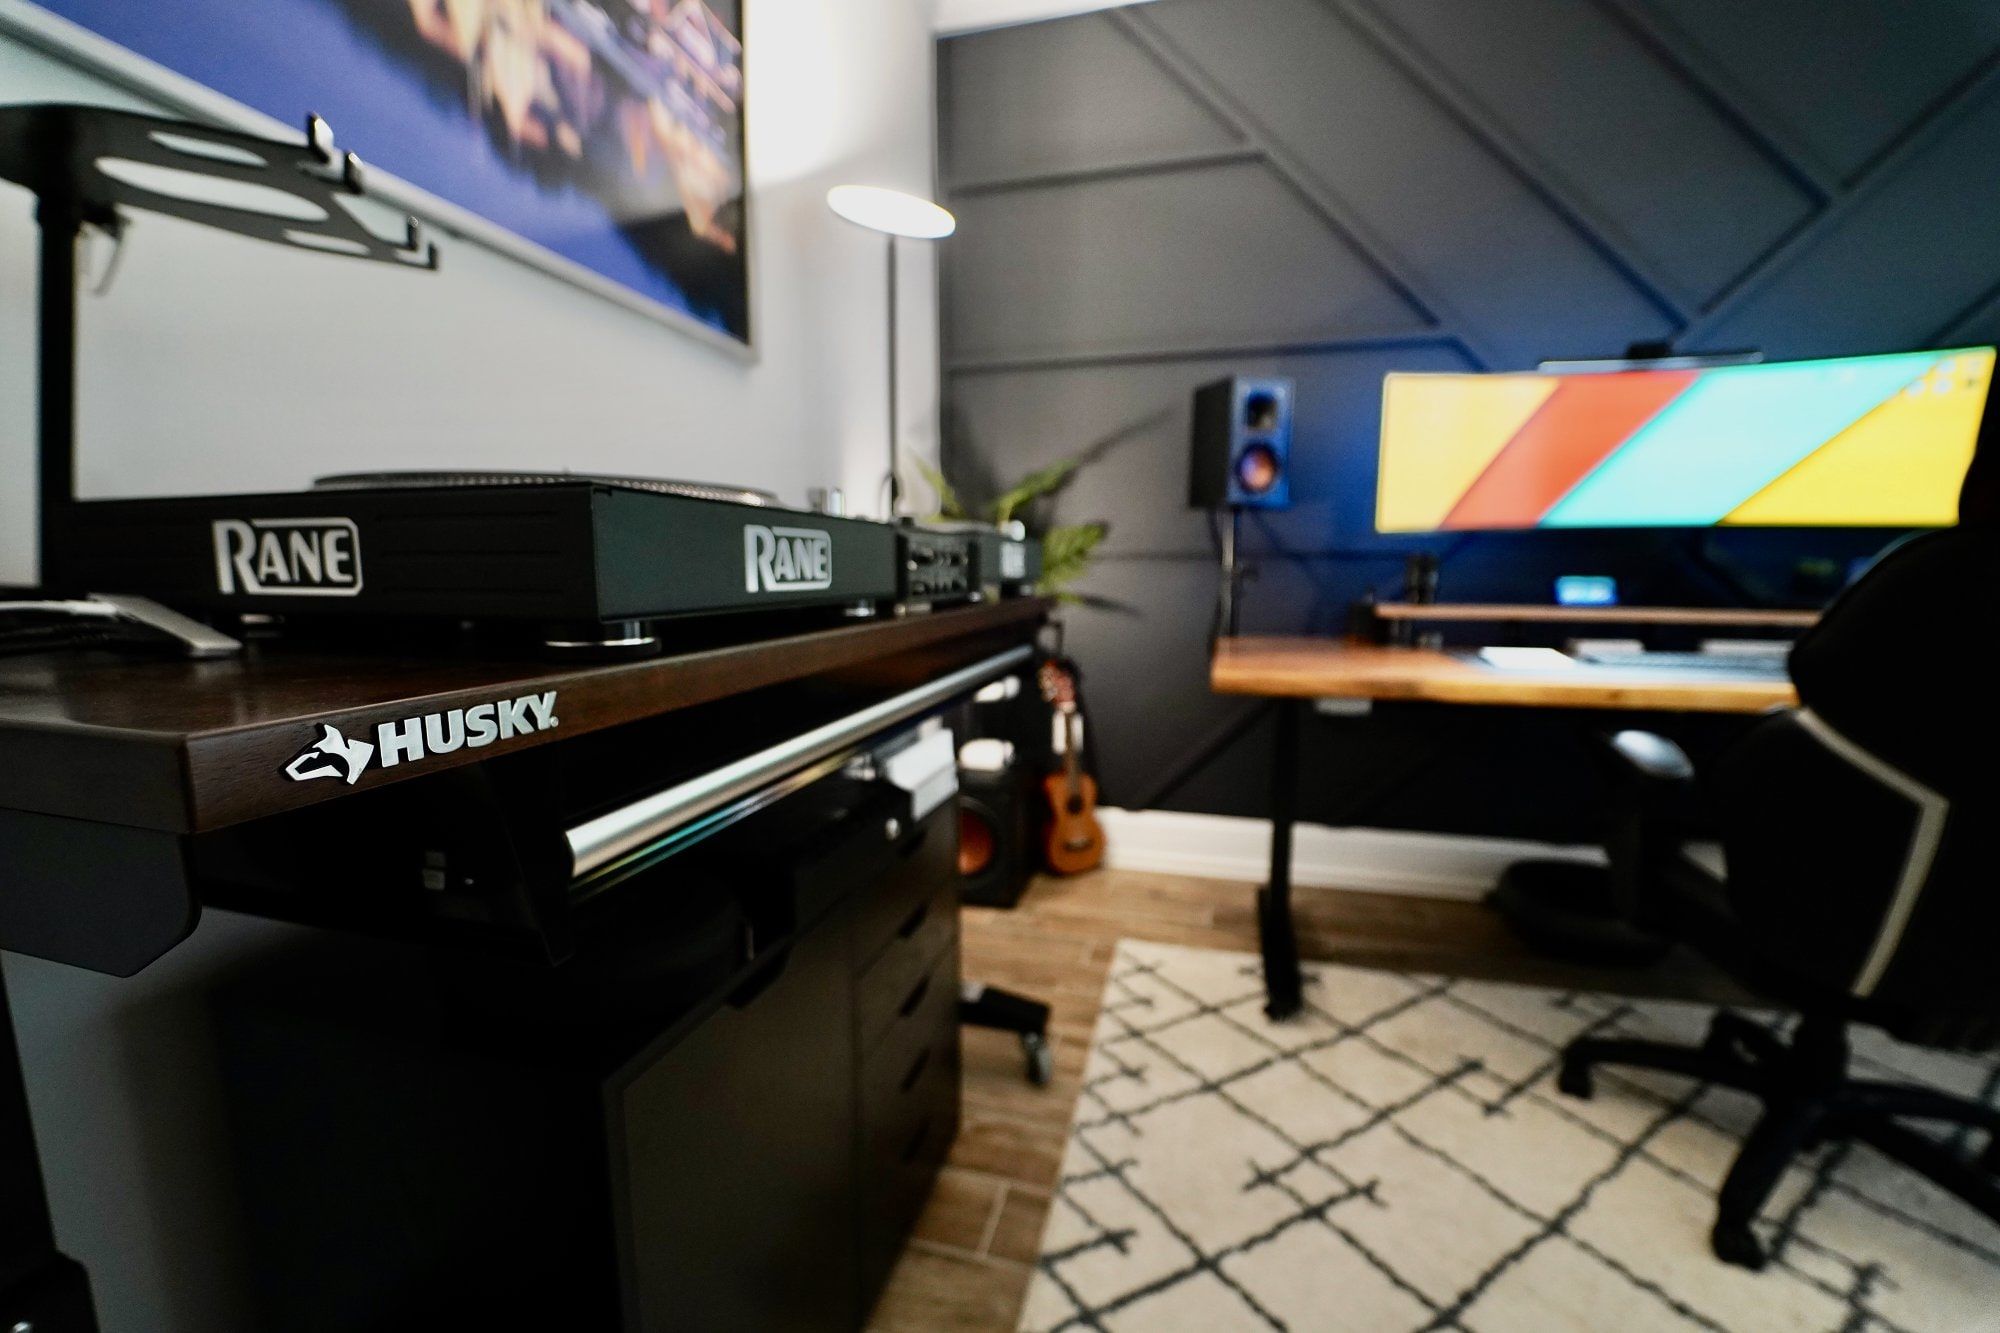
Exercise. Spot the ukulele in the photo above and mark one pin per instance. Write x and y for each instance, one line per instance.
(1075, 840)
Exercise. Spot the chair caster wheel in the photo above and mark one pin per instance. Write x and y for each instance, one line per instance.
(1041, 1060)
(1575, 1080)
(1735, 1243)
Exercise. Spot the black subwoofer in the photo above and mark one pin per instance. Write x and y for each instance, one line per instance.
(995, 831)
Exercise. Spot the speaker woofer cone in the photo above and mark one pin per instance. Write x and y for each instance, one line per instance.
(978, 840)
(1258, 468)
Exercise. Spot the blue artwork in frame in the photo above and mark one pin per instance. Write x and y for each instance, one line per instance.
(606, 133)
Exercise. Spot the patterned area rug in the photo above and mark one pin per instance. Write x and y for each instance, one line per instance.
(1398, 1158)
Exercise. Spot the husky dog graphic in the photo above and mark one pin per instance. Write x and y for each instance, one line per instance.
(332, 756)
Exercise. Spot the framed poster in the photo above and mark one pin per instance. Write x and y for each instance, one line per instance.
(600, 139)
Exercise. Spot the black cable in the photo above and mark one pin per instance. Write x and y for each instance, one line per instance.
(70, 634)
(58, 638)
(1215, 556)
(1232, 730)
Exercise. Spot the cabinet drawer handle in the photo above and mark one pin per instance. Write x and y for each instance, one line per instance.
(916, 997)
(916, 1069)
(915, 919)
(917, 1140)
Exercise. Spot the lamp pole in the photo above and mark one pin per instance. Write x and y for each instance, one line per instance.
(895, 443)
(894, 214)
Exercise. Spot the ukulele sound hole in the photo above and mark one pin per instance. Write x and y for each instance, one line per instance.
(1074, 805)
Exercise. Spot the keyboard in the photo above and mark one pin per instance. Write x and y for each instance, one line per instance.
(1735, 664)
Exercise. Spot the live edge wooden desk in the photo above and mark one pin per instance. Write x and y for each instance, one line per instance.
(1298, 671)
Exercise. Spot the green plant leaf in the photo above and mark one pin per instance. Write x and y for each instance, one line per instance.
(1066, 549)
(949, 505)
(1066, 553)
(1033, 487)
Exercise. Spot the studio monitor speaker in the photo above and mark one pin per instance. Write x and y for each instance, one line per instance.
(1242, 447)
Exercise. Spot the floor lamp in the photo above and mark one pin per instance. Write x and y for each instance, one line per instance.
(895, 215)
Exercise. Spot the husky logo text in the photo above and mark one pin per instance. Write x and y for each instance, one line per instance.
(413, 738)
(786, 559)
(296, 557)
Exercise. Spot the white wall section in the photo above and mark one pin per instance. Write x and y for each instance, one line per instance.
(217, 364)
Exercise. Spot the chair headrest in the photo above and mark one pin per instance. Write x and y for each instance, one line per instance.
(1897, 663)
(1900, 662)
(1979, 496)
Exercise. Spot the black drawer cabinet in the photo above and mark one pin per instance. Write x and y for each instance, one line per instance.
(919, 861)
(738, 1161)
(909, 1116)
(486, 1145)
(906, 1030)
(889, 987)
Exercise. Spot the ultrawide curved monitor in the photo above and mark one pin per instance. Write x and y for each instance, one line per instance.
(1852, 442)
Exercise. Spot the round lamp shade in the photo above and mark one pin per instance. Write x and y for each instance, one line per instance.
(891, 211)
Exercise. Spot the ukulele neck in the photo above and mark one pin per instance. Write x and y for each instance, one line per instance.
(1072, 760)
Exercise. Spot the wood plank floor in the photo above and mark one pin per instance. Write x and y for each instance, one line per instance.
(967, 1267)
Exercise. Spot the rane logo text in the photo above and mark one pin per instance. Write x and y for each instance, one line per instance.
(292, 557)
(786, 559)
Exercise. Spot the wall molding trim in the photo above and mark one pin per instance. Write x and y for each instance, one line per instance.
(950, 18)
(1423, 865)
(1305, 345)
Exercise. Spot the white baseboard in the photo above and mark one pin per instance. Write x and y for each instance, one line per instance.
(1429, 865)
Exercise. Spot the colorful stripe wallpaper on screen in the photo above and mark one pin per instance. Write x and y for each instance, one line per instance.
(1871, 441)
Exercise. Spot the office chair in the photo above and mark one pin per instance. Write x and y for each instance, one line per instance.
(1858, 875)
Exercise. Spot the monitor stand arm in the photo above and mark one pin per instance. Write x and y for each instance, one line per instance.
(61, 223)
(58, 152)
(1696, 553)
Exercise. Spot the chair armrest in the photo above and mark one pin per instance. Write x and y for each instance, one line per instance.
(1652, 756)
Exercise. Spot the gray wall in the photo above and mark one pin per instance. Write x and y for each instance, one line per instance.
(1332, 189)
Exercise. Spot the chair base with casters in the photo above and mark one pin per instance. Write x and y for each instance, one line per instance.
(1566, 910)
(984, 1006)
(1808, 1098)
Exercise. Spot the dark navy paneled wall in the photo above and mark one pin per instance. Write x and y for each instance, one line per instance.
(1333, 189)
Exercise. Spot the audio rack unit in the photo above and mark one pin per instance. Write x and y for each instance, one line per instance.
(935, 567)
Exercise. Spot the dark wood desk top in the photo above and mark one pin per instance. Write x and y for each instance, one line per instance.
(190, 746)
(1308, 668)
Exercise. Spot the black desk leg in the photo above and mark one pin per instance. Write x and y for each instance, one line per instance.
(40, 1289)
(1275, 935)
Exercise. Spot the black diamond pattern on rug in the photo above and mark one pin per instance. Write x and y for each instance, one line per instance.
(1398, 1158)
